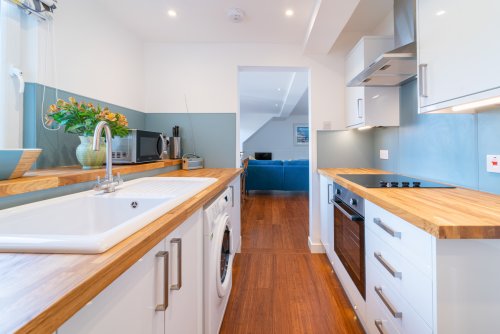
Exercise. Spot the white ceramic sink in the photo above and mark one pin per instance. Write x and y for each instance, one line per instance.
(92, 222)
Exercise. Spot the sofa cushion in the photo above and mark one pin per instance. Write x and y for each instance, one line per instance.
(265, 162)
(303, 162)
(268, 177)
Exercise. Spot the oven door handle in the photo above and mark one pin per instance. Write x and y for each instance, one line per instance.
(345, 210)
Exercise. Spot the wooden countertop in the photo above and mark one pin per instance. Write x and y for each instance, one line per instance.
(39, 292)
(41, 179)
(445, 213)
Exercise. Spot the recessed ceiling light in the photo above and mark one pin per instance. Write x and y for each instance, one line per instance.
(276, 105)
(172, 13)
(289, 12)
(441, 12)
(279, 89)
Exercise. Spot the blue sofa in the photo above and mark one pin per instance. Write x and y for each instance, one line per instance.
(290, 175)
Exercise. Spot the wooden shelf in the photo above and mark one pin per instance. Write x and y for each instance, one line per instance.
(42, 179)
(457, 213)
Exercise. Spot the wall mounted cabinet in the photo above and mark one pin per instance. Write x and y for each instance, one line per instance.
(458, 53)
(369, 106)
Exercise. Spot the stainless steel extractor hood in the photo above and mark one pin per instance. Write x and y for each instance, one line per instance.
(396, 67)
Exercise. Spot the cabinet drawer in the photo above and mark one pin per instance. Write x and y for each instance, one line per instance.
(377, 320)
(391, 302)
(410, 282)
(410, 242)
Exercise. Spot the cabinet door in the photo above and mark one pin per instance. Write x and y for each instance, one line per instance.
(326, 215)
(128, 305)
(354, 105)
(235, 214)
(184, 314)
(457, 49)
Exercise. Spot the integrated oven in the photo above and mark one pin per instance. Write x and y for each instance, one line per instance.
(349, 235)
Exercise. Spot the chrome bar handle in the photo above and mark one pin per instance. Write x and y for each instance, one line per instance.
(232, 196)
(352, 217)
(422, 80)
(380, 326)
(386, 228)
(330, 186)
(387, 266)
(359, 113)
(178, 286)
(395, 313)
(163, 307)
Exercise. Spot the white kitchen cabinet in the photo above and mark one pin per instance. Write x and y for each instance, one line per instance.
(326, 215)
(458, 52)
(369, 106)
(441, 286)
(184, 314)
(129, 304)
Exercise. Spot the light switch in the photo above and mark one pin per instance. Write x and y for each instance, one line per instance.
(493, 163)
(384, 154)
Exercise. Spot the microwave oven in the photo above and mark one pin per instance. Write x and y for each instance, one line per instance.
(139, 146)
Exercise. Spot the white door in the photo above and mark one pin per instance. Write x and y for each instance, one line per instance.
(458, 48)
(184, 314)
(128, 305)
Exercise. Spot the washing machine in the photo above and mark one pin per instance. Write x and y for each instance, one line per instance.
(218, 260)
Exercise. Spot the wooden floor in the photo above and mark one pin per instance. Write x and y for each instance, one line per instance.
(278, 285)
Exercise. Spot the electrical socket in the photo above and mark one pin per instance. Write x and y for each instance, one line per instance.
(384, 154)
(493, 163)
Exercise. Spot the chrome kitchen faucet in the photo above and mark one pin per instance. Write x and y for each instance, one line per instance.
(109, 183)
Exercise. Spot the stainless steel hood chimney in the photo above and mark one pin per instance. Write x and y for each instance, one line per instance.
(396, 67)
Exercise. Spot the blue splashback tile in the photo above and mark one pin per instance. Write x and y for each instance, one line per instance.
(442, 147)
(488, 143)
(212, 136)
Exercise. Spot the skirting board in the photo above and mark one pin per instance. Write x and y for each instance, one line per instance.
(315, 247)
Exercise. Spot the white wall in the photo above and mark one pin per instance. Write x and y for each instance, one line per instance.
(276, 136)
(82, 50)
(10, 54)
(251, 122)
(93, 55)
(208, 75)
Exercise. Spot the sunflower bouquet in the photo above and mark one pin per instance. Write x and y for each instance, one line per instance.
(81, 118)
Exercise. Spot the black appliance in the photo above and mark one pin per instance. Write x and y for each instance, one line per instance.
(263, 156)
(391, 181)
(349, 235)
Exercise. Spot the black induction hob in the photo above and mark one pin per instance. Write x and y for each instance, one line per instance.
(391, 181)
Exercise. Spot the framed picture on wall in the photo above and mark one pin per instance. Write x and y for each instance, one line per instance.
(301, 134)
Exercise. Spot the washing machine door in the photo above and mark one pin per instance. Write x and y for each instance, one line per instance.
(224, 256)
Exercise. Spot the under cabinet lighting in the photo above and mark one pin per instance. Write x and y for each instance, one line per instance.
(441, 12)
(477, 104)
(362, 128)
(375, 96)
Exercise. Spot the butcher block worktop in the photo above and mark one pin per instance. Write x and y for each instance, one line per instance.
(445, 213)
(39, 292)
(42, 179)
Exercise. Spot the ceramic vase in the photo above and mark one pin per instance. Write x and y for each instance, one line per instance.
(87, 157)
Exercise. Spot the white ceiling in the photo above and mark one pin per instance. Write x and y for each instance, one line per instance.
(271, 92)
(207, 21)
